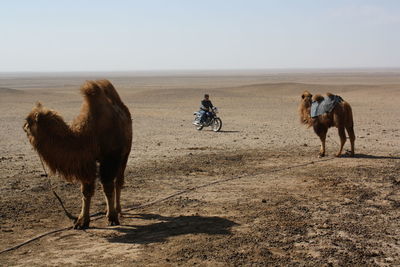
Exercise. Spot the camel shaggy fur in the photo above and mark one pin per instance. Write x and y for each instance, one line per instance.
(341, 117)
(101, 134)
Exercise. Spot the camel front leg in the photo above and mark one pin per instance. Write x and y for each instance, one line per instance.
(342, 135)
(323, 146)
(83, 220)
(109, 192)
(322, 137)
(321, 131)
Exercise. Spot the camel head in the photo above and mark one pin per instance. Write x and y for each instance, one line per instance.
(31, 121)
(42, 121)
(304, 108)
(306, 99)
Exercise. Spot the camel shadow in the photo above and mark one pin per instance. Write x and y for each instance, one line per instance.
(166, 227)
(366, 156)
(227, 131)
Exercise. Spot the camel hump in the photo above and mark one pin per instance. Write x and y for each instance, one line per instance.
(90, 88)
(333, 97)
(109, 91)
(318, 98)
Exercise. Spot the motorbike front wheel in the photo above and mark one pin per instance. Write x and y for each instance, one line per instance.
(199, 127)
(217, 125)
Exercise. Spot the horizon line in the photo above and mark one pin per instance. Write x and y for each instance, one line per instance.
(308, 69)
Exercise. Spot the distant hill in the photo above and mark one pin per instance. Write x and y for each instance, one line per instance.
(10, 90)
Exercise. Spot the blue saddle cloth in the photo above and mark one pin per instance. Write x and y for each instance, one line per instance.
(324, 106)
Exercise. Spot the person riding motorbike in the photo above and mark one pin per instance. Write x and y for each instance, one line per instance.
(206, 106)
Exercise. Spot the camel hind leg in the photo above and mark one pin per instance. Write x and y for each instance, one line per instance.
(350, 126)
(342, 135)
(352, 137)
(108, 173)
(119, 183)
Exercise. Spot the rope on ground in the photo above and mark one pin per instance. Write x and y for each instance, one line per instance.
(35, 238)
(67, 213)
(101, 214)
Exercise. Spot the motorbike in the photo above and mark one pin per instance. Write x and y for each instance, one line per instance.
(211, 120)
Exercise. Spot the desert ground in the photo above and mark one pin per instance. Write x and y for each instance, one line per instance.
(254, 194)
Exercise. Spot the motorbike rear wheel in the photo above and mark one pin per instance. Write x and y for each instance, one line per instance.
(217, 125)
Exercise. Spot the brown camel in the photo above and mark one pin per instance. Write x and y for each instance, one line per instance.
(341, 117)
(101, 133)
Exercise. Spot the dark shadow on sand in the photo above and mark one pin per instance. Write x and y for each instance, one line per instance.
(365, 156)
(222, 131)
(166, 227)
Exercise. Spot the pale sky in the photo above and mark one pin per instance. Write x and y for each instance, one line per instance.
(96, 35)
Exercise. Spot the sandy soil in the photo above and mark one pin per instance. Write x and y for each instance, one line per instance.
(254, 194)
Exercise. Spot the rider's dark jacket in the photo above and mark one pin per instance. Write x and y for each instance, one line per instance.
(206, 105)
